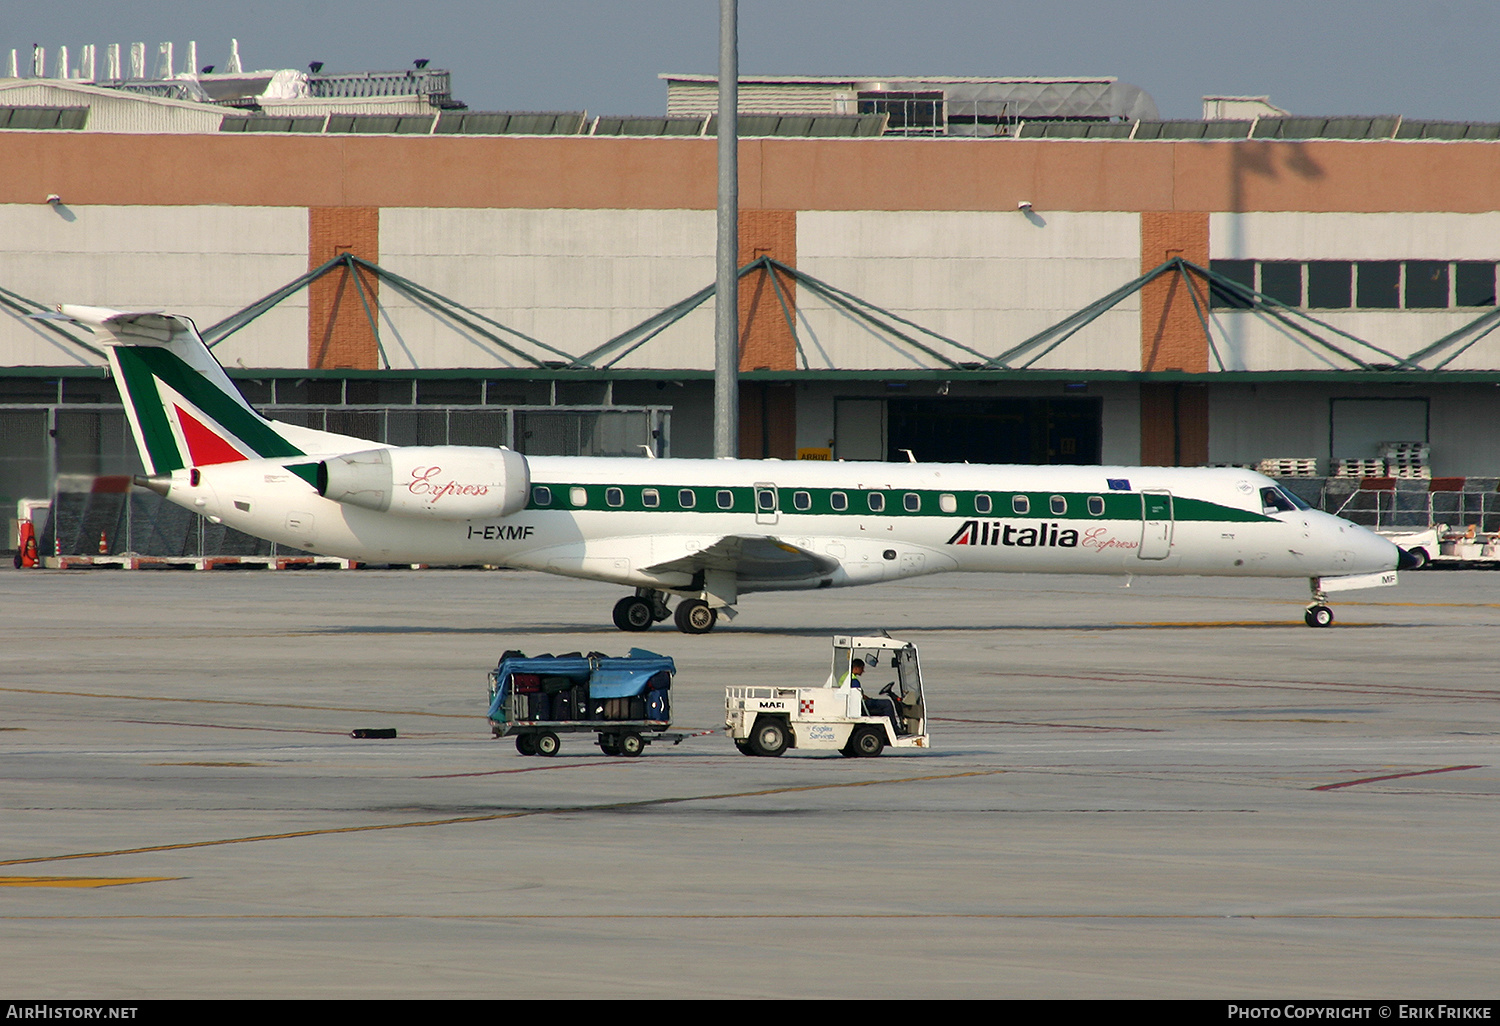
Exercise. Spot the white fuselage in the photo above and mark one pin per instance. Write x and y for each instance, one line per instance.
(601, 521)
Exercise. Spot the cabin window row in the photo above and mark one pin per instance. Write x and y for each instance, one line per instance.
(802, 501)
(1359, 284)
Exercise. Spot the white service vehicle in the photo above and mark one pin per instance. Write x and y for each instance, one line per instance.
(841, 715)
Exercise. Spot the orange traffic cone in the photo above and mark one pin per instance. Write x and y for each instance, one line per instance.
(103, 544)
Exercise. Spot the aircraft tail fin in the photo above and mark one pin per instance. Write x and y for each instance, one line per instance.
(183, 409)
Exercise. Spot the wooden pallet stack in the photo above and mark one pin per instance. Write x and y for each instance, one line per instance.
(1288, 466)
(1407, 459)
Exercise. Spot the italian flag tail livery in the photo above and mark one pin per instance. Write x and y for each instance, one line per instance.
(183, 409)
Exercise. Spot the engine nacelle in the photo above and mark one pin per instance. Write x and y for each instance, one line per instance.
(444, 482)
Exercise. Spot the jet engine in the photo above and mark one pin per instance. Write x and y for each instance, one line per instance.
(443, 482)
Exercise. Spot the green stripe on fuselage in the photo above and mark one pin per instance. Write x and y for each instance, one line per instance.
(928, 502)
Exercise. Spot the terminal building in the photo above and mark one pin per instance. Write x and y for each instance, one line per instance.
(990, 270)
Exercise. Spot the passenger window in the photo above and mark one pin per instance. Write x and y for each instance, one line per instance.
(1059, 505)
(983, 504)
(578, 496)
(765, 500)
(877, 502)
(912, 501)
(947, 503)
(1020, 504)
(686, 499)
(541, 495)
(615, 497)
(802, 501)
(650, 498)
(726, 499)
(839, 501)
(1096, 505)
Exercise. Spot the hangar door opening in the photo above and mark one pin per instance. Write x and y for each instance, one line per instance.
(1011, 430)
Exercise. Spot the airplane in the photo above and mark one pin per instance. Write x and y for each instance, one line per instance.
(703, 531)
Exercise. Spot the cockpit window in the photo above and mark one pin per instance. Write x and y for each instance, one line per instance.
(1274, 500)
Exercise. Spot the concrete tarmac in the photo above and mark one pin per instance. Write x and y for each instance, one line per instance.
(1171, 790)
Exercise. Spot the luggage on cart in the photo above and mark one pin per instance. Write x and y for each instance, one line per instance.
(625, 700)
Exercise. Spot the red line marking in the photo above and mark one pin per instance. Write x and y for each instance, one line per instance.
(1393, 776)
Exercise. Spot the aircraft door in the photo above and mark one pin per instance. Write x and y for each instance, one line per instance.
(1156, 524)
(767, 506)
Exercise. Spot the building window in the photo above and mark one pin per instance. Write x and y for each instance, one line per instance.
(1474, 283)
(1282, 281)
(1377, 284)
(1240, 272)
(1330, 284)
(1426, 285)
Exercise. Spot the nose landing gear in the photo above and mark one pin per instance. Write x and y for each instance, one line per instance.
(1318, 614)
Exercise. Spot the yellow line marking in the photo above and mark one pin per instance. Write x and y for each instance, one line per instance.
(492, 817)
(79, 881)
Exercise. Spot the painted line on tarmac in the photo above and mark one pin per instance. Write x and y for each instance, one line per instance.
(80, 881)
(1062, 726)
(1275, 684)
(644, 803)
(895, 914)
(1395, 776)
(226, 701)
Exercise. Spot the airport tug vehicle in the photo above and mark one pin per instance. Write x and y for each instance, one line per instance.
(625, 701)
(847, 714)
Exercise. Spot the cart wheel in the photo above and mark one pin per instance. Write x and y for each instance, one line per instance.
(526, 744)
(744, 747)
(609, 744)
(867, 742)
(769, 737)
(631, 745)
(547, 744)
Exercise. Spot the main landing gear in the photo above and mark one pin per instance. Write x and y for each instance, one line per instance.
(1318, 614)
(647, 606)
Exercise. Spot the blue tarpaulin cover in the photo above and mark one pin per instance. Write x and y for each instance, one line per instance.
(606, 676)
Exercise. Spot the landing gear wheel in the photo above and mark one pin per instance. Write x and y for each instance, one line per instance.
(526, 744)
(694, 616)
(769, 738)
(867, 742)
(1318, 616)
(609, 744)
(631, 745)
(547, 744)
(633, 613)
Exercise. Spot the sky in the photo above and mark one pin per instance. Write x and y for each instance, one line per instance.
(1418, 58)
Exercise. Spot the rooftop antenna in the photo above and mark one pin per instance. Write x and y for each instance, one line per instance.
(726, 281)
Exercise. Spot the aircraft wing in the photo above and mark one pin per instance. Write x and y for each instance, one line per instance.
(752, 557)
